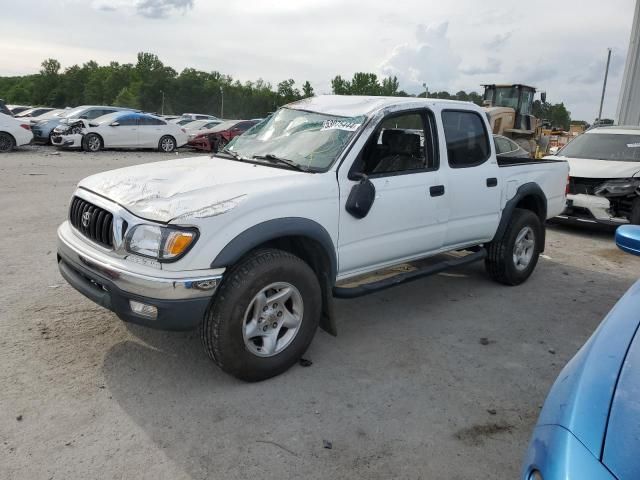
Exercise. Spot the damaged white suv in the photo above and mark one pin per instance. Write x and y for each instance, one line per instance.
(604, 186)
(252, 245)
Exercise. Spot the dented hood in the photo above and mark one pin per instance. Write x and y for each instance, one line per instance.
(190, 187)
(589, 168)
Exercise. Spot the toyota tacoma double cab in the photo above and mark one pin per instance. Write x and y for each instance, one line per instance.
(320, 200)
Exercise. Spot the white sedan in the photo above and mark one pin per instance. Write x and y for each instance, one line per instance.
(120, 130)
(13, 133)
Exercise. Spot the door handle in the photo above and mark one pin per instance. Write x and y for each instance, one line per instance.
(436, 190)
(492, 182)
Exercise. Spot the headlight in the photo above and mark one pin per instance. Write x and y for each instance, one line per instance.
(162, 243)
(617, 187)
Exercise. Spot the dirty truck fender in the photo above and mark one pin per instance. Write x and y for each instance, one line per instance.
(272, 230)
(532, 194)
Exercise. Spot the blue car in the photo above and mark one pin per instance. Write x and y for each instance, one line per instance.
(589, 427)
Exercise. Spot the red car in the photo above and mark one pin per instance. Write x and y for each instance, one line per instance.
(216, 138)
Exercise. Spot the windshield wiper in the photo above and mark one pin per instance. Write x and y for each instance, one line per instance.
(269, 157)
(231, 153)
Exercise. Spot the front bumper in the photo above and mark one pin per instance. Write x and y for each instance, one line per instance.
(589, 209)
(181, 300)
(67, 141)
(201, 143)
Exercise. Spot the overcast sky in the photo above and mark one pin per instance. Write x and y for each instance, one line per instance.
(456, 45)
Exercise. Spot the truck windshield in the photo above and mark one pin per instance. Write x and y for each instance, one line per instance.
(311, 140)
(505, 97)
(604, 146)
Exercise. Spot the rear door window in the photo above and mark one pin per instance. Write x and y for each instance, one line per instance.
(466, 137)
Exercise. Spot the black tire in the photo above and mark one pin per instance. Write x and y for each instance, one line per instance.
(634, 217)
(92, 142)
(500, 263)
(7, 142)
(167, 144)
(223, 324)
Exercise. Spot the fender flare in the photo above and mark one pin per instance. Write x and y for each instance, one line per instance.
(524, 190)
(271, 230)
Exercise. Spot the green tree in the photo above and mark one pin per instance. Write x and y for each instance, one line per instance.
(556, 114)
(307, 90)
(126, 99)
(340, 86)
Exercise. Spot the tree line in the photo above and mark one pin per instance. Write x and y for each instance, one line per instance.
(151, 86)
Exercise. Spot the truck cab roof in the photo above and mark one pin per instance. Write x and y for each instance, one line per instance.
(355, 106)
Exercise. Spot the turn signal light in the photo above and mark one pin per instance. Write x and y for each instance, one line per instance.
(25, 126)
(177, 242)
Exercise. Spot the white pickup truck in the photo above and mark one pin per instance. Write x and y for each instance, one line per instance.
(252, 245)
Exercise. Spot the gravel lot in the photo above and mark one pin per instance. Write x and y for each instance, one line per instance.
(442, 378)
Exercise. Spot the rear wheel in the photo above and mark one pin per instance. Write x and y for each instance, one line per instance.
(264, 315)
(512, 258)
(7, 143)
(167, 144)
(92, 142)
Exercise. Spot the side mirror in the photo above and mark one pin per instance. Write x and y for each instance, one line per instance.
(84, 117)
(628, 239)
(361, 197)
(543, 97)
(114, 124)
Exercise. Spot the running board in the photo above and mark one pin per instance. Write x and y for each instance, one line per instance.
(367, 288)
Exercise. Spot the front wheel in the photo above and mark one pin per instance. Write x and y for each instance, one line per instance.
(264, 315)
(167, 144)
(512, 258)
(92, 143)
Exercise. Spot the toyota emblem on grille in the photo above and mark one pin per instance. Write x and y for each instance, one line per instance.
(86, 218)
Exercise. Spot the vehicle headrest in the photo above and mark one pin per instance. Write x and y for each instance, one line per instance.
(401, 143)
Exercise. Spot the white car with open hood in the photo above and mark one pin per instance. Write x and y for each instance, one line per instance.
(124, 129)
(251, 245)
(604, 186)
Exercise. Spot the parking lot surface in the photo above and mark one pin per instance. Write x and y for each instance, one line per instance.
(442, 378)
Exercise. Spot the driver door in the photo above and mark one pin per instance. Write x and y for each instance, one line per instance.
(405, 221)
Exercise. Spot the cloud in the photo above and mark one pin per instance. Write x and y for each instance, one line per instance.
(429, 60)
(492, 65)
(161, 8)
(498, 41)
(144, 8)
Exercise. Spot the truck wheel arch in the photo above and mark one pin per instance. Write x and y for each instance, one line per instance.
(302, 237)
(529, 196)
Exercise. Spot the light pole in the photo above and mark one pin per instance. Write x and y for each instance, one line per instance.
(604, 85)
(426, 90)
(162, 107)
(221, 102)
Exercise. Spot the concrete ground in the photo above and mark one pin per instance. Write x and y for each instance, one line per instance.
(442, 378)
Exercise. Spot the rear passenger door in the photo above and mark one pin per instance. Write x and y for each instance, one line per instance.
(150, 130)
(473, 194)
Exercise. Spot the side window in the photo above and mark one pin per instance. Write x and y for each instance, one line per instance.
(401, 143)
(502, 145)
(244, 126)
(95, 113)
(128, 120)
(466, 137)
(150, 121)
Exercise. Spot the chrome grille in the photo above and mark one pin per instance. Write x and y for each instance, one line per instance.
(93, 222)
